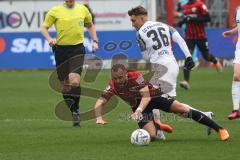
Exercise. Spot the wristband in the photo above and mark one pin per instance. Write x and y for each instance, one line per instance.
(139, 109)
(96, 41)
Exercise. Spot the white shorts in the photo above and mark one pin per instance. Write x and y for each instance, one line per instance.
(237, 54)
(166, 78)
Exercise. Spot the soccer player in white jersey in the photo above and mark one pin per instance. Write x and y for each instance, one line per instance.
(236, 68)
(154, 39)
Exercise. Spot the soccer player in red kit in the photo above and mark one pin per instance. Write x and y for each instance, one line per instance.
(131, 87)
(195, 16)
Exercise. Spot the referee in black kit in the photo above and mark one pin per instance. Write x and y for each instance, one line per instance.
(69, 19)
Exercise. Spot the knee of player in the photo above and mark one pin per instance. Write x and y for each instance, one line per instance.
(65, 88)
(179, 108)
(236, 77)
(206, 56)
(74, 83)
(184, 115)
(153, 137)
(74, 79)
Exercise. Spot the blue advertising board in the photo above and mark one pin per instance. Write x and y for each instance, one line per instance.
(31, 51)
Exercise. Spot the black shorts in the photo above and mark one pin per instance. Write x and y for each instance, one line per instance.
(69, 59)
(161, 102)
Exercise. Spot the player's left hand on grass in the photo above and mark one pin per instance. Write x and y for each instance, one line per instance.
(137, 115)
(189, 64)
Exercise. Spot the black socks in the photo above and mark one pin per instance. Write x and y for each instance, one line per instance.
(72, 99)
(203, 119)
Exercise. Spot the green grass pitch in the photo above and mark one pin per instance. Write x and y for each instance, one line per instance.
(29, 129)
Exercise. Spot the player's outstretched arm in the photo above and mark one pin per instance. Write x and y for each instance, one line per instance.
(189, 64)
(176, 37)
(230, 32)
(98, 110)
(137, 115)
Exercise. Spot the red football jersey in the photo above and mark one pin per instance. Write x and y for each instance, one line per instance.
(130, 92)
(195, 30)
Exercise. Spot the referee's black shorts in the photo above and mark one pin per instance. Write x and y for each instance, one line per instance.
(160, 102)
(69, 59)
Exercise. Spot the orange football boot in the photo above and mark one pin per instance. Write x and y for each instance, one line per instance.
(163, 127)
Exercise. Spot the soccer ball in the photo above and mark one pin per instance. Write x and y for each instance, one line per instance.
(140, 137)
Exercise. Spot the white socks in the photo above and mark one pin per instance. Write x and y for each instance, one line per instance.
(236, 94)
(156, 114)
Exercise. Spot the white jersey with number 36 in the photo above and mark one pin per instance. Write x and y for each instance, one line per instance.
(154, 39)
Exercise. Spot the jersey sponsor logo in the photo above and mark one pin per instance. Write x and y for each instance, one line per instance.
(163, 52)
(192, 15)
(194, 9)
(81, 24)
(135, 89)
(108, 88)
(140, 80)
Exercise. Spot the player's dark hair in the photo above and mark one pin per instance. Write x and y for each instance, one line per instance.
(137, 11)
(116, 67)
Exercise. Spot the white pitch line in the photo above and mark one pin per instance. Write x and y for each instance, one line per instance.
(28, 120)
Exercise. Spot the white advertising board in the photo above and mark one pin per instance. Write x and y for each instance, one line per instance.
(27, 16)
